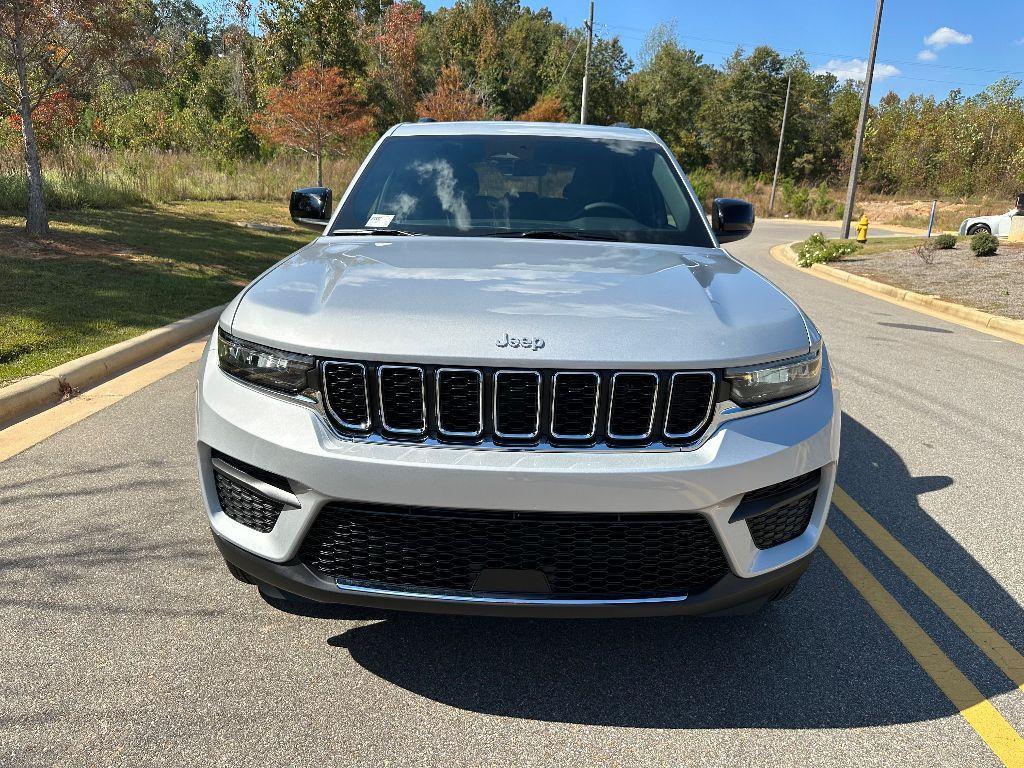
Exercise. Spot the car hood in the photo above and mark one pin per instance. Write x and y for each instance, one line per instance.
(467, 300)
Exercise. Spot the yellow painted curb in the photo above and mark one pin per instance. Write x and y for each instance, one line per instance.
(34, 429)
(969, 317)
(46, 389)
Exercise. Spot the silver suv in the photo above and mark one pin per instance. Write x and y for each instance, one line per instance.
(516, 374)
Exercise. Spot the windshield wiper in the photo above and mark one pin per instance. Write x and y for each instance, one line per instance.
(553, 234)
(393, 232)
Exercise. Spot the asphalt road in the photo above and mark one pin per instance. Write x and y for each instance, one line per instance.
(125, 642)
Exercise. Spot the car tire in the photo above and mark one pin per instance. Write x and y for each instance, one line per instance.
(975, 229)
(239, 574)
(784, 591)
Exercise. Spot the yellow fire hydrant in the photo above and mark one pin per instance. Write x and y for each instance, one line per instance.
(862, 229)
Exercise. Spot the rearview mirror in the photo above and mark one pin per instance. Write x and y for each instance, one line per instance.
(731, 219)
(311, 207)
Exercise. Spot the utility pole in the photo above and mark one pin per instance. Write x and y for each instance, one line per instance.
(851, 192)
(586, 65)
(782, 135)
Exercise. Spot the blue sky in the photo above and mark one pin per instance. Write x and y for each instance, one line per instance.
(969, 44)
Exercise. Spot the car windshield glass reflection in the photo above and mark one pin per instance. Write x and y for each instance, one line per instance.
(526, 186)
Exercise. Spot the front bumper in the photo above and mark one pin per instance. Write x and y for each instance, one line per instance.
(295, 442)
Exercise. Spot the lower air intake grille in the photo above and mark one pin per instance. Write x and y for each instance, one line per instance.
(782, 524)
(429, 550)
(245, 506)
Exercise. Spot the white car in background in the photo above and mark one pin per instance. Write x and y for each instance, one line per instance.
(993, 225)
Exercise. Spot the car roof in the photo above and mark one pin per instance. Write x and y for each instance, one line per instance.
(514, 128)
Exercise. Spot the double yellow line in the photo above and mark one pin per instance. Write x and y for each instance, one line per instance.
(997, 733)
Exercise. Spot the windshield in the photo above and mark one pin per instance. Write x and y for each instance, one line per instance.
(532, 186)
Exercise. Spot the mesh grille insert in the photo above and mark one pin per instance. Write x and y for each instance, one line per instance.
(245, 506)
(430, 550)
(401, 396)
(517, 404)
(689, 403)
(632, 406)
(574, 411)
(783, 524)
(459, 402)
(345, 388)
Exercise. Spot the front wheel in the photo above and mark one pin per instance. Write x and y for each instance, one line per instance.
(975, 229)
(784, 591)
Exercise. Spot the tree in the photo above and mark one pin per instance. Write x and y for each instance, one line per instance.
(451, 99)
(396, 45)
(49, 45)
(547, 109)
(298, 32)
(609, 65)
(315, 110)
(667, 93)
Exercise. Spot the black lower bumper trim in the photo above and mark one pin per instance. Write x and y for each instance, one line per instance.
(729, 594)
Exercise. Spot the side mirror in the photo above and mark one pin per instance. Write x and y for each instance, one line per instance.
(311, 207)
(731, 219)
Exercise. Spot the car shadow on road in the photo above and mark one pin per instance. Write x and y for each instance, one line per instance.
(821, 659)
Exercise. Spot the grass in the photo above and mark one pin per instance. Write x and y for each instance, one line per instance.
(85, 177)
(105, 276)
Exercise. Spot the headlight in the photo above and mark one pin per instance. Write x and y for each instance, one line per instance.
(264, 366)
(775, 381)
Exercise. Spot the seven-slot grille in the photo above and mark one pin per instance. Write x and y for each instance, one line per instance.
(518, 407)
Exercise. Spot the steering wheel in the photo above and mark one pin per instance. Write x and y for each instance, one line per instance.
(590, 207)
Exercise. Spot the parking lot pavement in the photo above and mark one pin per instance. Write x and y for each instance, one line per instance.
(126, 642)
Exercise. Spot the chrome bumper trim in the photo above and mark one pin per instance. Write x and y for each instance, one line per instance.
(266, 489)
(502, 600)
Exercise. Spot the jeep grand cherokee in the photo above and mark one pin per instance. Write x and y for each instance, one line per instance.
(517, 374)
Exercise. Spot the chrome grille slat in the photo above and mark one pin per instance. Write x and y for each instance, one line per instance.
(347, 395)
(632, 403)
(517, 407)
(575, 397)
(683, 415)
(403, 400)
(512, 388)
(459, 402)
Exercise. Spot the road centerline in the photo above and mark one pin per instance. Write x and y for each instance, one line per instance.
(978, 711)
(979, 631)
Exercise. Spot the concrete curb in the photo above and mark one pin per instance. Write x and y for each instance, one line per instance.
(1003, 326)
(900, 228)
(48, 388)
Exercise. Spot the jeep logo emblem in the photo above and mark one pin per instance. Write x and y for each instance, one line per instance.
(520, 343)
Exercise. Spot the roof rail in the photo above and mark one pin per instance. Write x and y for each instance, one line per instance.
(621, 125)
(426, 120)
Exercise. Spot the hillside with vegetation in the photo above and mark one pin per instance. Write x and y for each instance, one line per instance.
(160, 100)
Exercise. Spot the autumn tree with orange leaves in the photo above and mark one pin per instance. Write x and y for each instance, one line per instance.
(315, 110)
(396, 45)
(547, 109)
(451, 99)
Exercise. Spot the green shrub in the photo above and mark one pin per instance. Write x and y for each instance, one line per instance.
(797, 199)
(984, 244)
(816, 249)
(944, 242)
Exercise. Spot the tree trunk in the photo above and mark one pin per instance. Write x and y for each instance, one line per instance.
(320, 168)
(36, 220)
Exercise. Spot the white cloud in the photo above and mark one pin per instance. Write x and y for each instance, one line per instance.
(856, 69)
(927, 55)
(944, 36)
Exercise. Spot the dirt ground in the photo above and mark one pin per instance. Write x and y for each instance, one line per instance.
(991, 283)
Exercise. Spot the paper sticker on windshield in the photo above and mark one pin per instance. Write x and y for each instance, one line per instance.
(380, 219)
